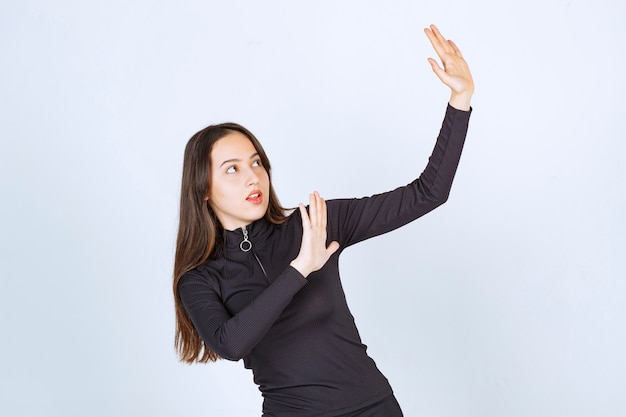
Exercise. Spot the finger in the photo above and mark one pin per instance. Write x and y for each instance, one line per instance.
(440, 38)
(314, 208)
(437, 33)
(434, 64)
(323, 213)
(320, 215)
(441, 53)
(306, 222)
(437, 40)
(455, 48)
(432, 38)
(440, 72)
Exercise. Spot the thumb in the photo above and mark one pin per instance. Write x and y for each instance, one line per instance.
(332, 248)
(440, 72)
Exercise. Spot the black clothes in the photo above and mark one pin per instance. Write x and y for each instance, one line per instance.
(298, 335)
(388, 407)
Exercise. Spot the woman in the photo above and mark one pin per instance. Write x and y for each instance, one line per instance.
(254, 283)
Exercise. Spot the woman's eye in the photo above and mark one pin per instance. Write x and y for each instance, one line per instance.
(257, 163)
(231, 170)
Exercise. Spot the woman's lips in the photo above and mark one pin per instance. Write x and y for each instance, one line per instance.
(256, 197)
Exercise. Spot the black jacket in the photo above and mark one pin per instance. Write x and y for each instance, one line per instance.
(298, 335)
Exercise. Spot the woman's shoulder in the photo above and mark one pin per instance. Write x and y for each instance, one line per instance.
(205, 272)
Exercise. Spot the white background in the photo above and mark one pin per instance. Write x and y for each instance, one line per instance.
(507, 301)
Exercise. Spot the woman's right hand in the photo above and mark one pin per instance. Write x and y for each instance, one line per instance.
(455, 72)
(313, 253)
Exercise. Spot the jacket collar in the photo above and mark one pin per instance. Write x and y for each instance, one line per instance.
(257, 232)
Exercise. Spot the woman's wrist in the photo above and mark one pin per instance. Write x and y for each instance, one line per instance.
(298, 266)
(461, 101)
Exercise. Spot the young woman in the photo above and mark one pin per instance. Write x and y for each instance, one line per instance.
(252, 282)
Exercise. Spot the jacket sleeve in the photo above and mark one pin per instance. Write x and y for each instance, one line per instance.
(233, 337)
(353, 220)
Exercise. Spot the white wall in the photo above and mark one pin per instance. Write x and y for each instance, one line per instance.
(507, 301)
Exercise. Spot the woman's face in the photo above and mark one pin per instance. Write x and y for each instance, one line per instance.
(239, 191)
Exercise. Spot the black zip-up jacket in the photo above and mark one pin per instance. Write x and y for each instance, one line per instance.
(297, 335)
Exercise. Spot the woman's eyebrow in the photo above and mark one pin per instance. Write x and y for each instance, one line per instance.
(254, 155)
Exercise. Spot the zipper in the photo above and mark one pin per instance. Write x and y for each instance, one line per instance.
(246, 246)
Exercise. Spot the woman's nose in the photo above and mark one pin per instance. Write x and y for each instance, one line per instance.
(253, 178)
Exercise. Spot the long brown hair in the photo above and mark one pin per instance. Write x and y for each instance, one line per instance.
(200, 234)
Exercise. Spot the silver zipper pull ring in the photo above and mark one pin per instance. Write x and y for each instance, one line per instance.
(245, 244)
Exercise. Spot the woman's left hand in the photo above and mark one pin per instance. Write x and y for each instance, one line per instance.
(313, 253)
(455, 72)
